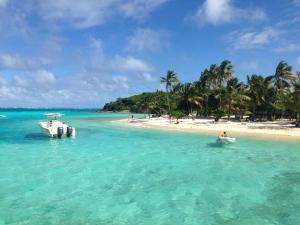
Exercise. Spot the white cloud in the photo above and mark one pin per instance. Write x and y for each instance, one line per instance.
(91, 13)
(288, 47)
(96, 44)
(44, 77)
(13, 21)
(16, 62)
(296, 2)
(147, 39)
(148, 77)
(11, 62)
(298, 61)
(87, 87)
(2, 81)
(121, 81)
(19, 81)
(3, 3)
(250, 40)
(140, 9)
(223, 11)
(130, 63)
(10, 94)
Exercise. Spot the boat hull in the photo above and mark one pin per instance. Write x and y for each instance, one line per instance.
(51, 130)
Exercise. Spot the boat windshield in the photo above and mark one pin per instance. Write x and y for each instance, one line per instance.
(53, 116)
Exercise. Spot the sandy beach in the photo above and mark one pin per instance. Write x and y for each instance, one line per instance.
(279, 130)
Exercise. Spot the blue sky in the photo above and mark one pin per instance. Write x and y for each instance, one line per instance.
(64, 54)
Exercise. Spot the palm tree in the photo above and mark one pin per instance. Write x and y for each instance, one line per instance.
(185, 92)
(232, 93)
(256, 89)
(296, 95)
(169, 81)
(296, 83)
(280, 90)
(203, 87)
(225, 72)
(213, 76)
(282, 77)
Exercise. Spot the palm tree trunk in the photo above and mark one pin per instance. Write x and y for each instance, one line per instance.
(253, 111)
(229, 110)
(168, 101)
(187, 105)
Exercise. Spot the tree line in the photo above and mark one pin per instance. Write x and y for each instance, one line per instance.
(218, 93)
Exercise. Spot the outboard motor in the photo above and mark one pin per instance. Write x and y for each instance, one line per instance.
(60, 132)
(69, 131)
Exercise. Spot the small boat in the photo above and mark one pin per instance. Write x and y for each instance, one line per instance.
(53, 127)
(226, 140)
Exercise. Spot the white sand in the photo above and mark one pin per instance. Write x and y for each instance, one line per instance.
(272, 130)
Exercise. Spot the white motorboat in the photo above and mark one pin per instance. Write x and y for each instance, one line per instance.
(53, 127)
(226, 140)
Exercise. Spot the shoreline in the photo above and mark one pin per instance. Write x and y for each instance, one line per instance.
(279, 130)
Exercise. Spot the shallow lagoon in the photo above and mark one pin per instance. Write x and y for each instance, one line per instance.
(118, 175)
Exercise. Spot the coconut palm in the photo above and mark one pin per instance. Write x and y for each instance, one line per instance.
(225, 72)
(282, 77)
(257, 87)
(296, 95)
(213, 76)
(234, 95)
(188, 96)
(296, 83)
(170, 80)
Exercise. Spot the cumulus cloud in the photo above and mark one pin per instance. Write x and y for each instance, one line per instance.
(91, 13)
(2, 81)
(224, 11)
(130, 63)
(10, 93)
(250, 40)
(44, 77)
(16, 62)
(82, 78)
(20, 81)
(145, 39)
(148, 77)
(89, 86)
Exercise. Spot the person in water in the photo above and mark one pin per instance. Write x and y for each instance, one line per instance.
(223, 134)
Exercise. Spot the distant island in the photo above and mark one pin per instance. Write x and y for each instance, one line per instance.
(219, 93)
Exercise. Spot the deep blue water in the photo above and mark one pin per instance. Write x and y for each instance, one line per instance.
(111, 174)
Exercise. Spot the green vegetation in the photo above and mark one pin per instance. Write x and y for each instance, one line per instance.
(218, 93)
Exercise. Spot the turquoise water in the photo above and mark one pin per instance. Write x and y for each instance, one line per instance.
(115, 175)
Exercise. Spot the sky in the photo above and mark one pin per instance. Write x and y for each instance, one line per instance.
(82, 54)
